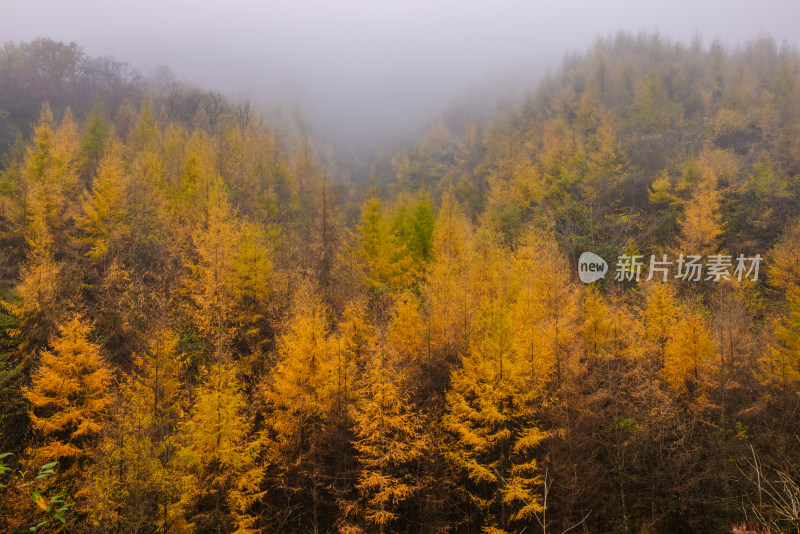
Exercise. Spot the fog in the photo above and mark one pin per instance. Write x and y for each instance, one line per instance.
(359, 69)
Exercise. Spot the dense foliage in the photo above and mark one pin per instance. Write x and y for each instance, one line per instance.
(208, 330)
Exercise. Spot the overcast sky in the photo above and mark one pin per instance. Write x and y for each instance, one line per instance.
(360, 65)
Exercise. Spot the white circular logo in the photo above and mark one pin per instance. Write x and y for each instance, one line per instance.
(591, 267)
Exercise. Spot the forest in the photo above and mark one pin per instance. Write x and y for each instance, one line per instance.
(211, 324)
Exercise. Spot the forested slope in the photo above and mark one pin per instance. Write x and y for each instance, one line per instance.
(209, 330)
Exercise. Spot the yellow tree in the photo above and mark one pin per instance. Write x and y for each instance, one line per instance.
(597, 324)
(660, 317)
(196, 181)
(144, 134)
(352, 344)
(51, 186)
(780, 368)
(661, 192)
(104, 222)
(129, 241)
(307, 182)
(301, 384)
(389, 441)
(701, 223)
(134, 482)
(228, 285)
(326, 243)
(300, 395)
(124, 215)
(610, 330)
(41, 304)
(731, 326)
(93, 142)
(605, 170)
(222, 478)
(652, 106)
(242, 157)
(625, 331)
(386, 242)
(491, 421)
(545, 310)
(375, 243)
(493, 394)
(212, 284)
(349, 346)
(688, 352)
(253, 268)
(406, 338)
(612, 340)
(69, 395)
(449, 301)
(784, 261)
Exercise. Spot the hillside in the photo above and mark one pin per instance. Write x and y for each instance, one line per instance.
(211, 327)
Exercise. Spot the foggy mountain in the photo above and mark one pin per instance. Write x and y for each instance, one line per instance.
(294, 267)
(363, 71)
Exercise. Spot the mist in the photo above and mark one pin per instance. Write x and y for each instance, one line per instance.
(364, 72)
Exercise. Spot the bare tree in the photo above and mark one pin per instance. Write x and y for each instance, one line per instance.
(778, 494)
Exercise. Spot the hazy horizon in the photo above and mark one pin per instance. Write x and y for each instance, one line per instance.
(362, 71)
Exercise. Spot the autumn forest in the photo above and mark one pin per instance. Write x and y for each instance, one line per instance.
(210, 323)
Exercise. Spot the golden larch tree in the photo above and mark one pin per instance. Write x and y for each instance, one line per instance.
(660, 316)
(687, 353)
(222, 477)
(134, 482)
(69, 395)
(491, 403)
(389, 441)
(301, 394)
